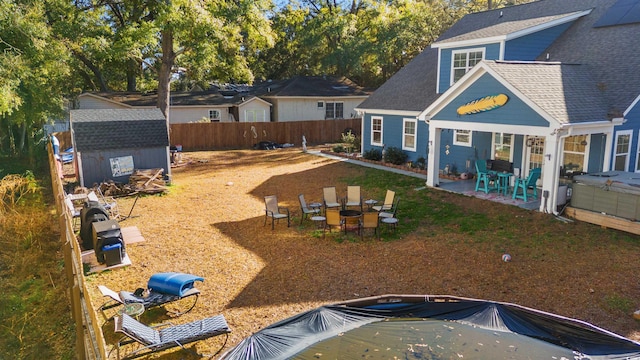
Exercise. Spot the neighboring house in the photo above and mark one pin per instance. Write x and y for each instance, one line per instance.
(296, 99)
(312, 98)
(186, 107)
(111, 143)
(552, 84)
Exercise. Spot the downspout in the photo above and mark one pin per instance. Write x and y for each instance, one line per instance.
(556, 170)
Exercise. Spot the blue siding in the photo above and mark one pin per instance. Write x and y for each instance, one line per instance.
(514, 112)
(392, 135)
(491, 52)
(632, 123)
(529, 47)
(596, 153)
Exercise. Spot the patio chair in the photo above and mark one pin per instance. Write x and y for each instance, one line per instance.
(525, 184)
(144, 340)
(306, 211)
(162, 289)
(392, 212)
(333, 219)
(370, 220)
(275, 212)
(353, 197)
(388, 202)
(485, 176)
(330, 198)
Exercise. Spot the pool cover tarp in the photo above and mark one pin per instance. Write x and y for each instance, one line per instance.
(399, 327)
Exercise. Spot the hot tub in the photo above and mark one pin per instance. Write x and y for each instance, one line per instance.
(614, 193)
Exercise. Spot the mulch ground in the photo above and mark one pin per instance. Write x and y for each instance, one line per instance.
(211, 223)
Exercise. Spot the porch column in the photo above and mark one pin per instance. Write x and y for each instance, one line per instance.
(608, 149)
(551, 173)
(433, 158)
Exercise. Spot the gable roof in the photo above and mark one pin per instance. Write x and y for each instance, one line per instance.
(311, 86)
(106, 129)
(411, 89)
(178, 98)
(608, 52)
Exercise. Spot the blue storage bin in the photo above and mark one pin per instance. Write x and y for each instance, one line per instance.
(112, 254)
(172, 283)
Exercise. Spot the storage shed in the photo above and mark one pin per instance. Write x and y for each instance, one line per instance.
(111, 143)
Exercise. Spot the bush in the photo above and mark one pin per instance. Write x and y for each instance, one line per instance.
(395, 156)
(338, 148)
(351, 141)
(373, 154)
(421, 163)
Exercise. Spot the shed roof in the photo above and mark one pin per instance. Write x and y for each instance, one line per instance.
(106, 129)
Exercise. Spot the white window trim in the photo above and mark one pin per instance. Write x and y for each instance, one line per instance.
(381, 130)
(454, 52)
(585, 159)
(638, 152)
(493, 146)
(404, 134)
(461, 143)
(615, 148)
(215, 119)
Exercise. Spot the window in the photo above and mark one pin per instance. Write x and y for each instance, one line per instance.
(622, 147)
(214, 115)
(320, 104)
(409, 134)
(575, 149)
(463, 61)
(334, 110)
(502, 146)
(376, 131)
(462, 137)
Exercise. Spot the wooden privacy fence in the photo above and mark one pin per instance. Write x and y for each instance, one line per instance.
(90, 343)
(212, 136)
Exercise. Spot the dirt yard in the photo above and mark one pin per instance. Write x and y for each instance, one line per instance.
(211, 224)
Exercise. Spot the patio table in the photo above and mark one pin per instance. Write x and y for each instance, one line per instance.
(504, 179)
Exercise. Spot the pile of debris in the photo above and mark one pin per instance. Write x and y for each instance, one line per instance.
(148, 181)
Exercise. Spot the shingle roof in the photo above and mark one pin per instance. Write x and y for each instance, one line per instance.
(191, 98)
(610, 53)
(412, 88)
(566, 92)
(106, 129)
(311, 86)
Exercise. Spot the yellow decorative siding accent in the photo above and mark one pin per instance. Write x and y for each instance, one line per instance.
(486, 103)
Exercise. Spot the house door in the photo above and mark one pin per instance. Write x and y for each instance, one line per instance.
(534, 154)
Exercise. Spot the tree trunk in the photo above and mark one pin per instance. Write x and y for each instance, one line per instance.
(164, 77)
(96, 71)
(132, 71)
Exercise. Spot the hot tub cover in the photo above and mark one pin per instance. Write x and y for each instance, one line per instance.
(172, 283)
(620, 181)
(431, 327)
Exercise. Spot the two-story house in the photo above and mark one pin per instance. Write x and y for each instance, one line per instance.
(552, 84)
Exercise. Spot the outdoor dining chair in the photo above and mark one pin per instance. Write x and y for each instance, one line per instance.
(526, 184)
(330, 198)
(388, 202)
(274, 211)
(354, 198)
(370, 220)
(333, 219)
(306, 210)
(487, 177)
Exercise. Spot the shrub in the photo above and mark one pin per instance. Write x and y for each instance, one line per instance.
(373, 154)
(338, 148)
(351, 141)
(420, 163)
(395, 156)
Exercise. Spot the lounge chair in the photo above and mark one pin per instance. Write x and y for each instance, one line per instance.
(274, 211)
(153, 340)
(163, 288)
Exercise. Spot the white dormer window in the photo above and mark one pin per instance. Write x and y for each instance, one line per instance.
(214, 115)
(463, 61)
